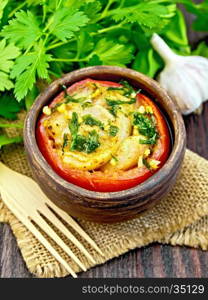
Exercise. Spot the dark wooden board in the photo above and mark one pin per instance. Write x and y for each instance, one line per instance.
(151, 261)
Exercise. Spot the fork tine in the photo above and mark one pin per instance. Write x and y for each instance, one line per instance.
(45, 227)
(52, 234)
(48, 214)
(67, 218)
(23, 181)
(36, 233)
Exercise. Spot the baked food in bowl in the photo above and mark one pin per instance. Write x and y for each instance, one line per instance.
(95, 147)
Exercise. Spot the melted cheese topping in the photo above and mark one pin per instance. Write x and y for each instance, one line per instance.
(92, 128)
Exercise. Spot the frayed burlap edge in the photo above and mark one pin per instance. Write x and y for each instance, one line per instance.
(195, 235)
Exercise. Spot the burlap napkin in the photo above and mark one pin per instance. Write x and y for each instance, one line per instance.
(179, 219)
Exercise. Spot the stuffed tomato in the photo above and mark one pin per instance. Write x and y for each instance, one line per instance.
(103, 136)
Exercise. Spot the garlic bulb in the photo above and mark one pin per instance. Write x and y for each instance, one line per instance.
(185, 78)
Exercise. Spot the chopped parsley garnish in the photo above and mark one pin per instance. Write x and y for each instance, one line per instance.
(86, 104)
(146, 127)
(150, 141)
(113, 130)
(120, 102)
(92, 142)
(90, 120)
(113, 110)
(74, 125)
(114, 105)
(79, 142)
(69, 98)
(115, 88)
(87, 144)
(114, 157)
(146, 164)
(128, 89)
(65, 141)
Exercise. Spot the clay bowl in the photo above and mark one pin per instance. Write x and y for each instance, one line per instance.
(114, 206)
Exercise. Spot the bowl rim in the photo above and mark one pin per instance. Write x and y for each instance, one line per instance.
(152, 86)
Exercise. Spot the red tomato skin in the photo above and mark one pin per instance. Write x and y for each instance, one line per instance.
(99, 181)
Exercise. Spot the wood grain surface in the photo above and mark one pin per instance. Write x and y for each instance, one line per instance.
(152, 261)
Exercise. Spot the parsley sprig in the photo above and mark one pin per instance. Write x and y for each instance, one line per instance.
(42, 40)
(90, 120)
(53, 35)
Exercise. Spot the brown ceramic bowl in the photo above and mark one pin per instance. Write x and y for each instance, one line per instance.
(113, 206)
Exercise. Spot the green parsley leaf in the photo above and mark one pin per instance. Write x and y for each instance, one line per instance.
(150, 15)
(146, 164)
(113, 130)
(7, 54)
(74, 125)
(86, 144)
(79, 142)
(94, 60)
(5, 140)
(92, 142)
(9, 107)
(75, 4)
(92, 9)
(84, 43)
(201, 50)
(65, 141)
(151, 141)
(146, 127)
(22, 30)
(5, 82)
(111, 53)
(27, 68)
(68, 98)
(65, 22)
(147, 61)
(115, 88)
(90, 120)
(200, 10)
(113, 109)
(120, 102)
(3, 4)
(31, 96)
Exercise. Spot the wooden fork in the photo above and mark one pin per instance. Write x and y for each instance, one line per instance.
(28, 203)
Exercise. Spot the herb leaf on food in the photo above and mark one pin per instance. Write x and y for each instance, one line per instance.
(120, 102)
(113, 130)
(145, 127)
(74, 124)
(92, 142)
(82, 143)
(90, 120)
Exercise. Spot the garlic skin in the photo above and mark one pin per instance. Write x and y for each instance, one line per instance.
(185, 78)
